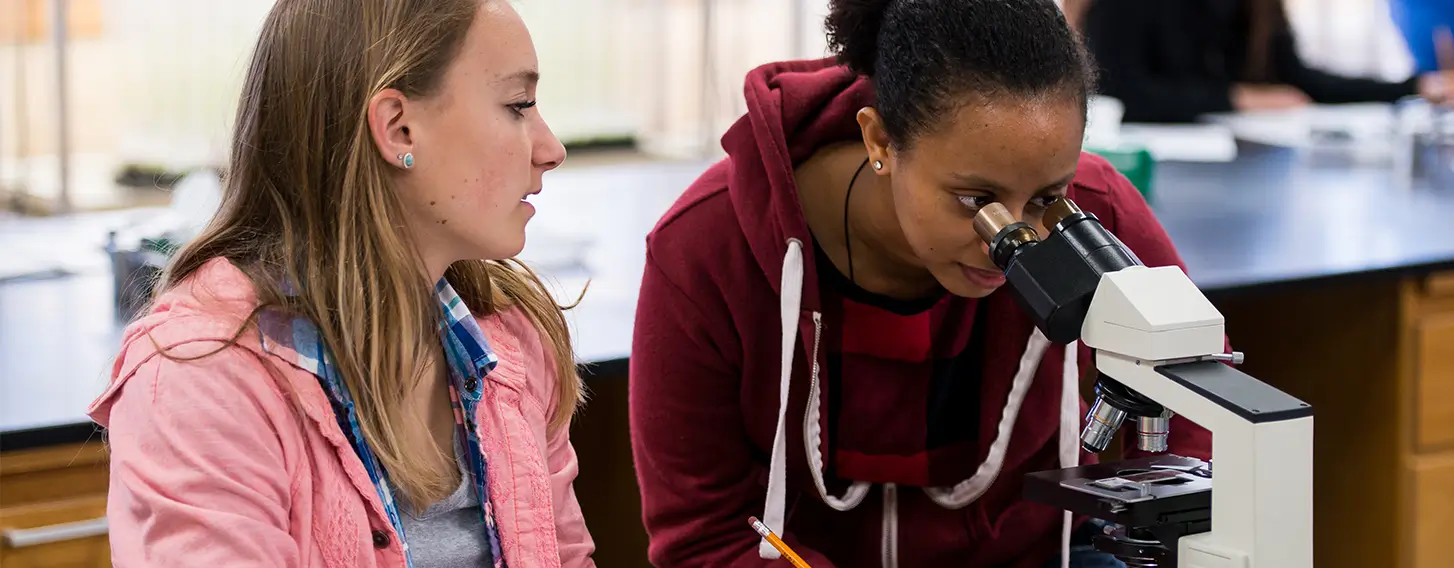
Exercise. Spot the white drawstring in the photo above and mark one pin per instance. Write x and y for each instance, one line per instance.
(889, 543)
(962, 494)
(1069, 434)
(791, 303)
(965, 492)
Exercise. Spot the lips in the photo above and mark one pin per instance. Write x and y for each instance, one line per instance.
(982, 277)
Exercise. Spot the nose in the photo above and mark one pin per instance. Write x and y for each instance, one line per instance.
(548, 152)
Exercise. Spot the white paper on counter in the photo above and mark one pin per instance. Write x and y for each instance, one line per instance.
(1183, 142)
(1362, 123)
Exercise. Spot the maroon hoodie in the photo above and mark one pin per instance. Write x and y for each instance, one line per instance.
(732, 410)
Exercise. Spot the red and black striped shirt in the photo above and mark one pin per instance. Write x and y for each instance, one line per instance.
(926, 349)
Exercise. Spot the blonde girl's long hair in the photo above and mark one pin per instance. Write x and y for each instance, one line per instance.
(308, 201)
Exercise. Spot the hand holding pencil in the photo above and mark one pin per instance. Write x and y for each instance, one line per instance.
(777, 543)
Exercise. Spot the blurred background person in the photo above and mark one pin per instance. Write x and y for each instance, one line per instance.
(1420, 22)
(1176, 61)
(1074, 11)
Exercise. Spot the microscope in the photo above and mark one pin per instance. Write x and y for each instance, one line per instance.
(1160, 350)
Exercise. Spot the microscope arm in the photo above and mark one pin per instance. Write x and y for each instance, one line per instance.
(1156, 333)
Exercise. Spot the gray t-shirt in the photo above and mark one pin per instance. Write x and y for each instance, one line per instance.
(448, 534)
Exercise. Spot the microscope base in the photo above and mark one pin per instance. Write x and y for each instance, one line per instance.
(1145, 552)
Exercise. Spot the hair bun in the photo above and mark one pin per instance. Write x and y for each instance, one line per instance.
(852, 27)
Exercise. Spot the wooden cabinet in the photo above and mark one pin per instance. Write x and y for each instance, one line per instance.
(606, 487)
(1375, 357)
(53, 508)
(1431, 481)
(1433, 387)
(1426, 514)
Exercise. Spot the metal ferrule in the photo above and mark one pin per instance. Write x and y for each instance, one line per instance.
(1004, 234)
(1008, 241)
(1102, 422)
(1152, 431)
(1070, 220)
(1063, 212)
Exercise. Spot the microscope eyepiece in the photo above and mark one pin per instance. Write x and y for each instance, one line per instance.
(1060, 210)
(992, 219)
(1053, 279)
(1005, 235)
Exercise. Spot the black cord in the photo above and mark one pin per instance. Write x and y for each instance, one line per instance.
(847, 244)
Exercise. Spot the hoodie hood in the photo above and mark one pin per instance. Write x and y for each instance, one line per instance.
(793, 109)
(195, 317)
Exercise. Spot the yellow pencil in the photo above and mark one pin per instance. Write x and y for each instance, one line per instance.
(777, 543)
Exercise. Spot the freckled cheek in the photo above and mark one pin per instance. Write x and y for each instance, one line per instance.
(490, 190)
(464, 200)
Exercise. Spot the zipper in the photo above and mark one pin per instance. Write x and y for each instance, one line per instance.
(859, 489)
(890, 543)
(817, 334)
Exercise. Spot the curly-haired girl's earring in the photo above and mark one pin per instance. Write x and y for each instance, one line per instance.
(878, 165)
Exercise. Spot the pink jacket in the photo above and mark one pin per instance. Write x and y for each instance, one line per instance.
(217, 462)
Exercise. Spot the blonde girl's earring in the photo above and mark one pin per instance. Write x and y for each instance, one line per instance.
(407, 159)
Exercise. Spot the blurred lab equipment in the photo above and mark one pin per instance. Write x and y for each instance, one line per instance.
(1103, 138)
(1423, 149)
(141, 251)
(1135, 148)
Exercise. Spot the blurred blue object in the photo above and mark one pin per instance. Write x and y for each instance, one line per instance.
(1417, 20)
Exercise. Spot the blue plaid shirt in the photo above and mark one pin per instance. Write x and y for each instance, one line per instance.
(470, 359)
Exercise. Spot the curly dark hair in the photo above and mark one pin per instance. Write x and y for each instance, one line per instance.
(926, 57)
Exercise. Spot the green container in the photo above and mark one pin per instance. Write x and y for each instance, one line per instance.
(1134, 162)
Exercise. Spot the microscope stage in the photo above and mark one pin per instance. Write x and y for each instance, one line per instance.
(1144, 492)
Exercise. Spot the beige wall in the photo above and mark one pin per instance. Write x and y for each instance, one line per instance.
(157, 70)
(27, 73)
(159, 83)
(696, 99)
(155, 80)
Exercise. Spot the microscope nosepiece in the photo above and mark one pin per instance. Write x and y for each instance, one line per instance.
(1102, 422)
